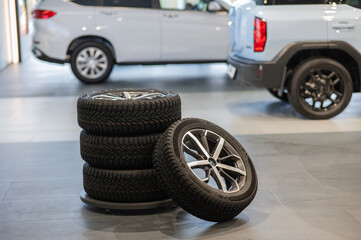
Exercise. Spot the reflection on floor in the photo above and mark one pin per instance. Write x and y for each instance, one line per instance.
(309, 171)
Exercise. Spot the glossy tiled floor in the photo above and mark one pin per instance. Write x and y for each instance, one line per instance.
(309, 171)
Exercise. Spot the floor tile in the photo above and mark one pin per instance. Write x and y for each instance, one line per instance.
(65, 188)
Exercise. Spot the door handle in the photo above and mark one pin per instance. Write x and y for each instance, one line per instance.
(343, 25)
(169, 15)
(108, 13)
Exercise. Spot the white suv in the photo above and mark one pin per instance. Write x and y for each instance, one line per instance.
(304, 52)
(92, 35)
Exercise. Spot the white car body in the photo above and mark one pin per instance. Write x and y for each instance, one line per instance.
(137, 35)
(287, 46)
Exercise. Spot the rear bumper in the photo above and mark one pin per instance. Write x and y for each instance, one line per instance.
(257, 74)
(42, 56)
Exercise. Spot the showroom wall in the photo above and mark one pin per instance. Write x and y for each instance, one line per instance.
(15, 31)
(24, 19)
(3, 51)
(9, 49)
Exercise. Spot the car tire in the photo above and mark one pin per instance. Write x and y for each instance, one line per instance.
(274, 92)
(320, 88)
(122, 116)
(181, 183)
(118, 153)
(92, 62)
(126, 186)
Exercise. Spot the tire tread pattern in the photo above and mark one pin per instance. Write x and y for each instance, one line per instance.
(119, 153)
(121, 185)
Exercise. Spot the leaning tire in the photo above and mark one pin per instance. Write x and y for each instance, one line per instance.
(274, 92)
(134, 152)
(175, 172)
(320, 88)
(121, 112)
(92, 62)
(121, 186)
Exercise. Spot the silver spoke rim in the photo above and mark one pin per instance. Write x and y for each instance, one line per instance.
(129, 95)
(199, 164)
(199, 147)
(234, 183)
(218, 149)
(213, 160)
(219, 180)
(91, 62)
(232, 169)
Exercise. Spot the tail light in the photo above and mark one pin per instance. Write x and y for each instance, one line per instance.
(42, 14)
(260, 34)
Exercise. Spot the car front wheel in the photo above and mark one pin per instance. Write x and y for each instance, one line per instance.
(92, 62)
(320, 88)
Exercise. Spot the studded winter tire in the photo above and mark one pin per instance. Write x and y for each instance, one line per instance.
(205, 170)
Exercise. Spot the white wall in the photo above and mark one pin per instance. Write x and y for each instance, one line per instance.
(3, 50)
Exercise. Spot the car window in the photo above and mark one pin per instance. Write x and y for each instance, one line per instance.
(191, 5)
(353, 3)
(126, 3)
(288, 2)
(86, 2)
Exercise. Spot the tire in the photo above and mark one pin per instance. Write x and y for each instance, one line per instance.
(314, 85)
(187, 189)
(274, 92)
(104, 66)
(118, 153)
(121, 186)
(101, 116)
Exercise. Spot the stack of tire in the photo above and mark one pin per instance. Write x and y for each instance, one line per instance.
(120, 130)
(197, 164)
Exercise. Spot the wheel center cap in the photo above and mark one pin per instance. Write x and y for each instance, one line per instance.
(92, 63)
(212, 161)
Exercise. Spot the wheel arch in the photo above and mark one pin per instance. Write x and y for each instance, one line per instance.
(93, 38)
(341, 52)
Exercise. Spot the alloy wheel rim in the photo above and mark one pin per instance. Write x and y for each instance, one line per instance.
(91, 62)
(209, 154)
(322, 90)
(129, 95)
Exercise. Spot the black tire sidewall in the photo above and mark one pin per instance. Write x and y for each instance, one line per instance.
(107, 52)
(299, 75)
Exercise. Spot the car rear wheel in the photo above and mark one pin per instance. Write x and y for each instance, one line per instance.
(320, 88)
(92, 62)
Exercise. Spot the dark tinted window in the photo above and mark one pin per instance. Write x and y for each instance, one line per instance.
(126, 3)
(287, 2)
(194, 5)
(354, 3)
(86, 2)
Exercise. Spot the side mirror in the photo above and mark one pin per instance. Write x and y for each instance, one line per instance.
(214, 6)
